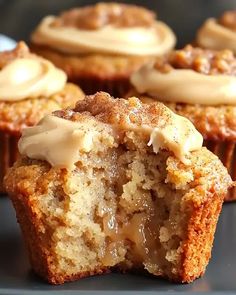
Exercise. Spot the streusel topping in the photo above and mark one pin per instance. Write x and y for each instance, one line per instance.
(200, 60)
(95, 17)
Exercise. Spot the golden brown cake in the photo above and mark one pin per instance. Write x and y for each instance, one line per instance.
(218, 33)
(30, 87)
(125, 186)
(100, 46)
(200, 85)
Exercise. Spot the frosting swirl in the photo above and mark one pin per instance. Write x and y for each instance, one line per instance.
(185, 86)
(30, 77)
(213, 35)
(154, 40)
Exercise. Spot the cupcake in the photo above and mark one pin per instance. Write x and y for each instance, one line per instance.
(200, 85)
(126, 185)
(30, 87)
(100, 46)
(219, 33)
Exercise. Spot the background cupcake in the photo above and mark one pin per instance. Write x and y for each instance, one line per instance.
(218, 33)
(199, 84)
(100, 46)
(30, 87)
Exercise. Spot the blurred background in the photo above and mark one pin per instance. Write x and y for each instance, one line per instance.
(19, 17)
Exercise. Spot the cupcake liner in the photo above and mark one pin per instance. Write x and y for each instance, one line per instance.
(8, 154)
(226, 151)
(117, 87)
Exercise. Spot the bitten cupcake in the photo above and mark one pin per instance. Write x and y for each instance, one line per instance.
(30, 87)
(100, 46)
(127, 185)
(218, 33)
(200, 85)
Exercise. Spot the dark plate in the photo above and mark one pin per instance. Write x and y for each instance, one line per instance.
(17, 278)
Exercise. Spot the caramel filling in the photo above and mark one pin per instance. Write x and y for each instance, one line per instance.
(136, 224)
(140, 231)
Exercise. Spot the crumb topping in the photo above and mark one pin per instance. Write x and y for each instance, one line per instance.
(203, 61)
(95, 17)
(120, 112)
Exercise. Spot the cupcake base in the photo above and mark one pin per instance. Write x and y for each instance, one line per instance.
(226, 151)
(116, 88)
(8, 155)
(95, 72)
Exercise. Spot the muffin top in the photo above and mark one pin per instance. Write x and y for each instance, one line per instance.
(100, 124)
(30, 86)
(157, 125)
(190, 75)
(218, 33)
(105, 28)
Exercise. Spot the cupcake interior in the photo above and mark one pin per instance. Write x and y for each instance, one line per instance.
(116, 209)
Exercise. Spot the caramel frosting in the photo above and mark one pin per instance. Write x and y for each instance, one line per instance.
(57, 141)
(152, 41)
(178, 135)
(60, 142)
(214, 35)
(185, 86)
(30, 77)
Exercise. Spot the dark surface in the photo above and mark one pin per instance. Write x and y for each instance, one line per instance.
(16, 277)
(19, 17)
